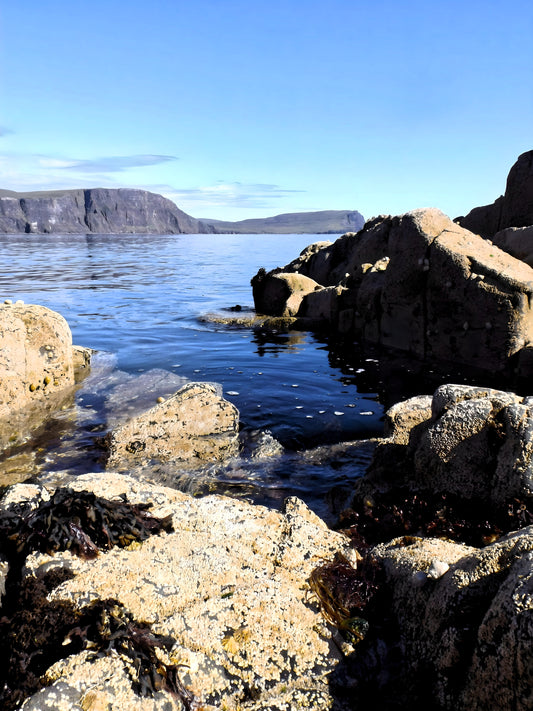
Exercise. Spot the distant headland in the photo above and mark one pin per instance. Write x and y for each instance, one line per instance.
(129, 211)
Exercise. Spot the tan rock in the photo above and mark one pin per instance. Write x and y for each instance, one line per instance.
(229, 585)
(280, 294)
(196, 425)
(38, 368)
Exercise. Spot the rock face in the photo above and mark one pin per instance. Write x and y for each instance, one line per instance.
(419, 283)
(228, 585)
(514, 209)
(196, 425)
(37, 358)
(98, 210)
(466, 620)
(474, 442)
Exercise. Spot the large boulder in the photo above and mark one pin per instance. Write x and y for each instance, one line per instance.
(419, 283)
(37, 358)
(280, 293)
(514, 209)
(474, 443)
(465, 617)
(195, 426)
(228, 586)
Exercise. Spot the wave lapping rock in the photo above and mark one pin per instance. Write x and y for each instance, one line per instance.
(196, 425)
(37, 358)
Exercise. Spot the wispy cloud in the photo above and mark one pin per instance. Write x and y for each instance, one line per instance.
(245, 195)
(116, 164)
(5, 131)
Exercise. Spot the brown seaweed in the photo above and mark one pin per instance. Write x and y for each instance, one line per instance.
(399, 512)
(40, 632)
(345, 593)
(78, 521)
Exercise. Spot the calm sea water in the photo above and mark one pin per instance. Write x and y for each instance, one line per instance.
(141, 302)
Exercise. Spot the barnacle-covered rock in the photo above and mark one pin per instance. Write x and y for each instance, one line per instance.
(196, 425)
(227, 585)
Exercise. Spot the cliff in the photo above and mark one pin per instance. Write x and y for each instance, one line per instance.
(322, 222)
(120, 211)
(98, 210)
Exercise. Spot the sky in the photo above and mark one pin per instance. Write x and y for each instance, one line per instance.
(238, 108)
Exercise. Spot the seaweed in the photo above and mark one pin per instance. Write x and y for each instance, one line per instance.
(78, 521)
(399, 512)
(35, 633)
(345, 593)
(40, 633)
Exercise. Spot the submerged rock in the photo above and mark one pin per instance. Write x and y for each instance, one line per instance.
(196, 425)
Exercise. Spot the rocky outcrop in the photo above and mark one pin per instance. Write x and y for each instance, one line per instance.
(322, 222)
(228, 586)
(98, 210)
(475, 443)
(194, 426)
(465, 617)
(513, 209)
(418, 283)
(37, 358)
(517, 241)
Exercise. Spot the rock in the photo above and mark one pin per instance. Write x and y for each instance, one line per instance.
(228, 585)
(402, 417)
(281, 294)
(195, 425)
(477, 444)
(466, 633)
(100, 210)
(514, 209)
(517, 241)
(37, 359)
(418, 283)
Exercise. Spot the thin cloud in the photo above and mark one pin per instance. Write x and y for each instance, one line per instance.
(246, 195)
(5, 131)
(116, 164)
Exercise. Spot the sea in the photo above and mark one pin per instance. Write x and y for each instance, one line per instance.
(149, 307)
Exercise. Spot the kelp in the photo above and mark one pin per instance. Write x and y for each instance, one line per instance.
(345, 593)
(35, 633)
(399, 512)
(78, 521)
(40, 632)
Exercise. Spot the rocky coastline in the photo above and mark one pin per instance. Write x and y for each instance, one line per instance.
(120, 594)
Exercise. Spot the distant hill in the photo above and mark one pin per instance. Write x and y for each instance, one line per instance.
(124, 210)
(324, 222)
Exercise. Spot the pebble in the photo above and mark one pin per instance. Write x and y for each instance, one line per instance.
(437, 569)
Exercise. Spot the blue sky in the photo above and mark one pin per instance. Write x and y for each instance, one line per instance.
(239, 108)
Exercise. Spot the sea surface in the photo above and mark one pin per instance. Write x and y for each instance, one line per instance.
(144, 304)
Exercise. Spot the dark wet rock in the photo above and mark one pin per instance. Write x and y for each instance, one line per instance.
(417, 283)
(196, 425)
(513, 209)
